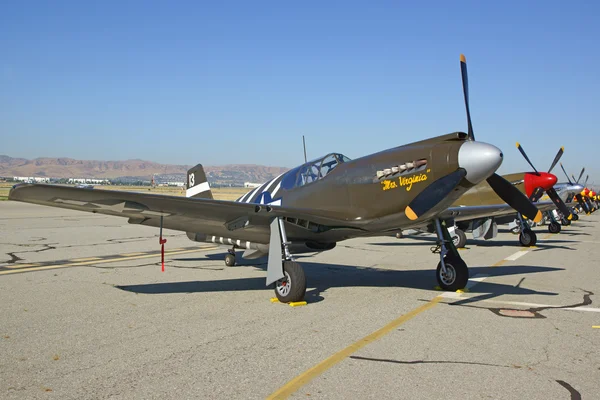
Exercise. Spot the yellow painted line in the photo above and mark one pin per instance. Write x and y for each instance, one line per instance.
(307, 376)
(133, 254)
(499, 263)
(86, 259)
(19, 265)
(108, 260)
(304, 378)
(596, 326)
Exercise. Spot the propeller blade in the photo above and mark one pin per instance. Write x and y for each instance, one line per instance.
(573, 176)
(537, 194)
(433, 194)
(580, 175)
(569, 179)
(582, 203)
(465, 83)
(586, 179)
(559, 203)
(558, 156)
(514, 198)
(526, 158)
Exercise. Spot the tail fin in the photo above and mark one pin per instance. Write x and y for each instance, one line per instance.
(197, 184)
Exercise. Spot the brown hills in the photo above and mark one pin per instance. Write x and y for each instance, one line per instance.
(70, 168)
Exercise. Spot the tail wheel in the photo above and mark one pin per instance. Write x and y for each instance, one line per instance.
(456, 276)
(230, 260)
(293, 286)
(528, 238)
(575, 217)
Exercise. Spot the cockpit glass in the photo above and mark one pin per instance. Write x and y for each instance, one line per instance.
(312, 171)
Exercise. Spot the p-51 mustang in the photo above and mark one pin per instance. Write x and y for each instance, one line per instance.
(320, 203)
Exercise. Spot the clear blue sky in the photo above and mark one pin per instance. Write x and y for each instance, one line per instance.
(241, 82)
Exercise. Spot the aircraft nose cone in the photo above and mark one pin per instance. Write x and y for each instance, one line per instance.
(543, 180)
(479, 159)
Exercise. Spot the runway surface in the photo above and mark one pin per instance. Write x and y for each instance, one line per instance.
(88, 314)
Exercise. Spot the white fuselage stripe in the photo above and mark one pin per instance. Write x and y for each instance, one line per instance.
(243, 198)
(276, 190)
(252, 195)
(200, 188)
(271, 183)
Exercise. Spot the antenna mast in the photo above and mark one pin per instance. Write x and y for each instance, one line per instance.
(304, 144)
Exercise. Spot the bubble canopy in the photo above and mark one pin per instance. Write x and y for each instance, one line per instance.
(312, 171)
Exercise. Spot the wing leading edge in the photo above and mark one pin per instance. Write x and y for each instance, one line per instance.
(463, 213)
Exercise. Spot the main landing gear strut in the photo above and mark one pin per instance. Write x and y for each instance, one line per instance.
(452, 272)
(527, 237)
(287, 274)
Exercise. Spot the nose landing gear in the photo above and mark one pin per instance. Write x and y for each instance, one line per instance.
(527, 237)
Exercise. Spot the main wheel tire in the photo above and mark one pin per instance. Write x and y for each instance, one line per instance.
(459, 239)
(575, 217)
(565, 222)
(554, 227)
(229, 260)
(457, 274)
(528, 238)
(293, 286)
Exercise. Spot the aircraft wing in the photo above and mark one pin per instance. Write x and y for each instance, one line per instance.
(465, 213)
(249, 221)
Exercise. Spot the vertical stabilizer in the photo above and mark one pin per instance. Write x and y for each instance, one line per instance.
(197, 184)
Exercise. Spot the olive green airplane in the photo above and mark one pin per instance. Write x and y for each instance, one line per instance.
(312, 207)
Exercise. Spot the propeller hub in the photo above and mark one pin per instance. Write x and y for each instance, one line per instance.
(479, 159)
(543, 179)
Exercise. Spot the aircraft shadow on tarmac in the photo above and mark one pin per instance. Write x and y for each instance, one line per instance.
(321, 277)
(425, 241)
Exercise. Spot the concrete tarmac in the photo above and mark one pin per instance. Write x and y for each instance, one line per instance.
(88, 314)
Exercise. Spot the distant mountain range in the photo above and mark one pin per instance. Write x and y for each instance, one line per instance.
(235, 174)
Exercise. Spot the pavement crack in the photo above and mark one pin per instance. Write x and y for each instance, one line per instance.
(575, 395)
(431, 362)
(13, 258)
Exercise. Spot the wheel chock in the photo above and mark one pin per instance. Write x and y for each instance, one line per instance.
(297, 303)
(464, 290)
(291, 304)
(438, 288)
